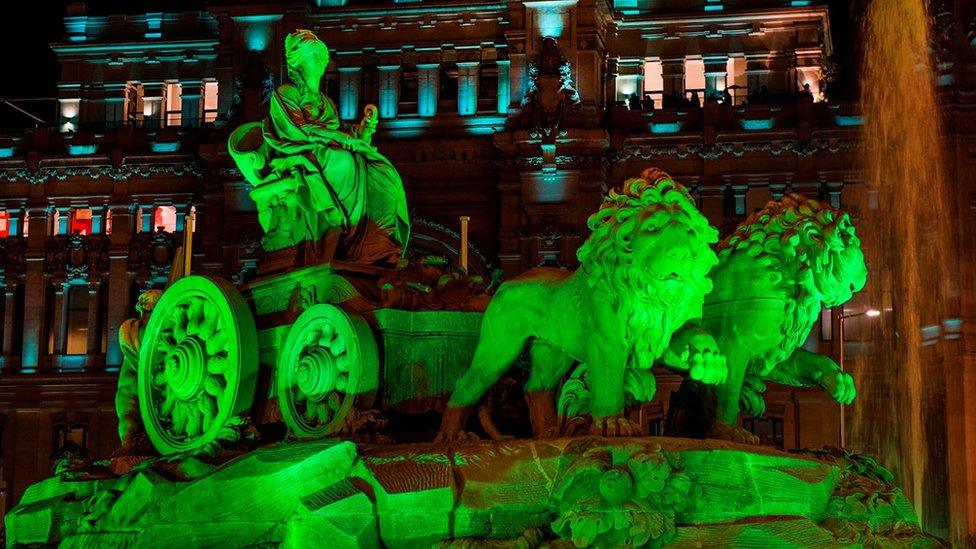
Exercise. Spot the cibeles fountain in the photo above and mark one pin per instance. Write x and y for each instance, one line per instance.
(276, 413)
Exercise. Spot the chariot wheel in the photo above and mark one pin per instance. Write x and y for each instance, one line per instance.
(198, 364)
(328, 360)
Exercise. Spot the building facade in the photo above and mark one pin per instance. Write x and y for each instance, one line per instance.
(518, 114)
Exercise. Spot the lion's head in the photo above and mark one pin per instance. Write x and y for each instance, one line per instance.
(649, 248)
(809, 240)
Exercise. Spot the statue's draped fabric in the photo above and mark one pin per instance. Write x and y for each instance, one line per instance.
(359, 192)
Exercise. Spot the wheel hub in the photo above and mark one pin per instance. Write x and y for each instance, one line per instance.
(186, 364)
(316, 373)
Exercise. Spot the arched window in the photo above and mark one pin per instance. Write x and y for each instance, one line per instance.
(77, 320)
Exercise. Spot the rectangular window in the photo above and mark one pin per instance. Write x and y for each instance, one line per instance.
(694, 77)
(81, 221)
(164, 219)
(653, 83)
(209, 101)
(77, 320)
(4, 224)
(173, 103)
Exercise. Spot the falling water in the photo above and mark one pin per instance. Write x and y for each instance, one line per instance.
(907, 237)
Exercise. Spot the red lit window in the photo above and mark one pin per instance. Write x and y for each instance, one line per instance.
(81, 221)
(4, 225)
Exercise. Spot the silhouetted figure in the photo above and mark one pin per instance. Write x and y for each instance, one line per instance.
(726, 97)
(754, 97)
(806, 91)
(634, 102)
(695, 101)
(648, 102)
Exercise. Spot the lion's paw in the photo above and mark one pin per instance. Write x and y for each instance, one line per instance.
(613, 426)
(721, 431)
(840, 386)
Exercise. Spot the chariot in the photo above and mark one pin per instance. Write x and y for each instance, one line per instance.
(300, 348)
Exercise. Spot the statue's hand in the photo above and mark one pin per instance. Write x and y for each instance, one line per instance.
(705, 362)
(839, 385)
(356, 145)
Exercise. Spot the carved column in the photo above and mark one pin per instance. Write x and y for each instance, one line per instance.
(35, 292)
(94, 322)
(504, 86)
(64, 220)
(428, 84)
(191, 106)
(98, 220)
(350, 80)
(147, 214)
(9, 319)
(59, 321)
(389, 91)
(757, 71)
(467, 88)
(716, 74)
(517, 78)
(15, 220)
(673, 72)
(119, 281)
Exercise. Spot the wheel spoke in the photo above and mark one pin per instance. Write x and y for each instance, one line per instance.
(218, 365)
(217, 342)
(214, 385)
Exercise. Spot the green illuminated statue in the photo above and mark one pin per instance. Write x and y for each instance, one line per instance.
(310, 176)
(643, 275)
(775, 274)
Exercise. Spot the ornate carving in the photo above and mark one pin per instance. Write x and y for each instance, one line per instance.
(151, 255)
(77, 257)
(12, 260)
(550, 93)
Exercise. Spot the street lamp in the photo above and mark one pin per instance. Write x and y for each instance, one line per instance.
(870, 313)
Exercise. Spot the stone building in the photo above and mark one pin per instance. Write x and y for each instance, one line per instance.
(518, 114)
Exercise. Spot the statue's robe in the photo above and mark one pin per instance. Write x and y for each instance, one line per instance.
(359, 192)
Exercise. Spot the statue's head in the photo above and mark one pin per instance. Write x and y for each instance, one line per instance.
(811, 239)
(306, 56)
(650, 246)
(147, 302)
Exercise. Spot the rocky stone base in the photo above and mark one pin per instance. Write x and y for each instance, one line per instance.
(586, 492)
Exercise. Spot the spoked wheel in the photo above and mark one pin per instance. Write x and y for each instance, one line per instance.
(328, 360)
(198, 364)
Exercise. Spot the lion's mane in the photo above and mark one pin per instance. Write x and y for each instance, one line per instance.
(638, 209)
(797, 238)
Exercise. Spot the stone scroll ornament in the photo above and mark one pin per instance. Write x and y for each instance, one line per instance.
(775, 273)
(310, 177)
(643, 276)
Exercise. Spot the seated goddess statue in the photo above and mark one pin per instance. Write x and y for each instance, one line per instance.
(311, 178)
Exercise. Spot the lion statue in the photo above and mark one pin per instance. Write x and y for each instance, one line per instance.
(642, 276)
(775, 273)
